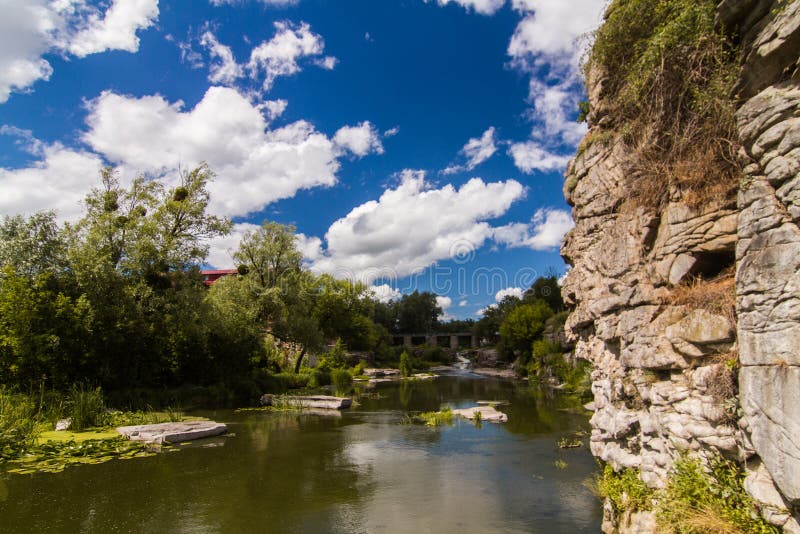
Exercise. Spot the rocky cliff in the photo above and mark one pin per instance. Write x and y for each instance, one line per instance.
(690, 312)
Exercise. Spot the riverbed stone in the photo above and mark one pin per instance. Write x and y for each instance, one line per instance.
(173, 432)
(488, 414)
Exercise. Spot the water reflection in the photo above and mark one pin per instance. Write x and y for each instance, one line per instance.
(362, 472)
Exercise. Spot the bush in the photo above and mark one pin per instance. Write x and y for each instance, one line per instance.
(342, 381)
(668, 74)
(625, 489)
(701, 499)
(406, 369)
(86, 408)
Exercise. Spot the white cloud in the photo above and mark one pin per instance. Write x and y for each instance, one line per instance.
(391, 132)
(275, 108)
(254, 166)
(413, 226)
(531, 156)
(360, 140)
(483, 7)
(309, 247)
(476, 151)
(462, 303)
(116, 29)
(279, 56)
(31, 28)
(327, 62)
(58, 181)
(385, 293)
(546, 231)
(25, 33)
(551, 29)
(555, 108)
(482, 311)
(443, 302)
(509, 292)
(224, 69)
(547, 44)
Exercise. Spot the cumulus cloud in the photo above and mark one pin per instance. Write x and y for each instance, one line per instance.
(31, 28)
(443, 302)
(224, 69)
(551, 29)
(413, 226)
(280, 55)
(483, 7)
(517, 292)
(476, 151)
(462, 303)
(360, 140)
(531, 156)
(255, 166)
(547, 44)
(115, 29)
(546, 230)
(59, 180)
(385, 293)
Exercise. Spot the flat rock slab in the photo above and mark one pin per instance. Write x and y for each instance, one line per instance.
(319, 402)
(488, 414)
(173, 432)
(381, 373)
(496, 373)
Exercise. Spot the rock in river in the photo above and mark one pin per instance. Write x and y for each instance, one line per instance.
(173, 432)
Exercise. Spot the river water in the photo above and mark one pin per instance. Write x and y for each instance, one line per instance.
(362, 471)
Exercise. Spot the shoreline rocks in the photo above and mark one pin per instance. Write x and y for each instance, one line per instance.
(172, 432)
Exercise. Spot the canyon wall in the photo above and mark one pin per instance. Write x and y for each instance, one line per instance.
(675, 370)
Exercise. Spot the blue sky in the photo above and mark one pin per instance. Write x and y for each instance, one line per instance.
(414, 144)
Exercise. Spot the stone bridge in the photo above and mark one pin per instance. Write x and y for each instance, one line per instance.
(453, 341)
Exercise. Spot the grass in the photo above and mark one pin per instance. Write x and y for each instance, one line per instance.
(716, 295)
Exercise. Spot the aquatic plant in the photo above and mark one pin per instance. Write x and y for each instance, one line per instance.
(406, 368)
(443, 417)
(18, 424)
(342, 381)
(86, 408)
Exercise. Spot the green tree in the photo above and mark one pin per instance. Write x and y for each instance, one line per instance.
(524, 325)
(270, 253)
(418, 313)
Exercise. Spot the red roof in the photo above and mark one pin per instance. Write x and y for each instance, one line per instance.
(220, 271)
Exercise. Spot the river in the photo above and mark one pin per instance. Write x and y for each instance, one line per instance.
(362, 471)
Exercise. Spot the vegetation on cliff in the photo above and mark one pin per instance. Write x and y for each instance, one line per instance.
(667, 74)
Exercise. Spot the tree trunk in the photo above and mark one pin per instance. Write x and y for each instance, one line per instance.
(299, 361)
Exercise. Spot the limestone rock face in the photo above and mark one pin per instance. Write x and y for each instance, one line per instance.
(660, 387)
(768, 281)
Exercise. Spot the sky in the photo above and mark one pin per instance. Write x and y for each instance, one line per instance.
(414, 144)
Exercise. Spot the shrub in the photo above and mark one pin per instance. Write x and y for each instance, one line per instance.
(624, 489)
(406, 369)
(342, 381)
(668, 74)
(86, 408)
(701, 499)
